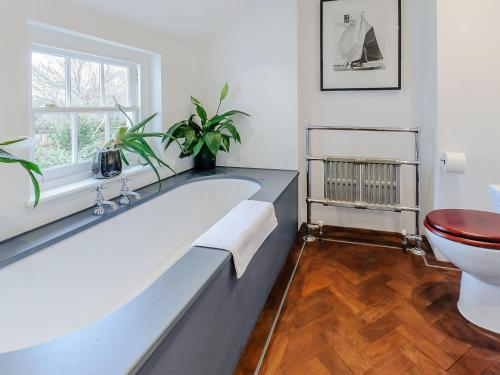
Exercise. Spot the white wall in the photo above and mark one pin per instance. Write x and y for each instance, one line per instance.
(257, 55)
(468, 100)
(179, 80)
(410, 107)
(270, 57)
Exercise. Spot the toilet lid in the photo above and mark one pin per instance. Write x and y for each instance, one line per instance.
(469, 224)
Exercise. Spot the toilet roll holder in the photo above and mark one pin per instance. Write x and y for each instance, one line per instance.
(444, 161)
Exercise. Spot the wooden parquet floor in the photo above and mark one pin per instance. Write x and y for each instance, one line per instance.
(356, 309)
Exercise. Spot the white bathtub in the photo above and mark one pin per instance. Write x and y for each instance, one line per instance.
(91, 274)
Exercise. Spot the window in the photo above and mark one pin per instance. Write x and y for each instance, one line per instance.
(73, 106)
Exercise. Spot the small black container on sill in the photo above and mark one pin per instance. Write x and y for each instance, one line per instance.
(107, 164)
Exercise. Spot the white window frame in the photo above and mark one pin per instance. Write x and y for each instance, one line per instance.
(60, 42)
(77, 170)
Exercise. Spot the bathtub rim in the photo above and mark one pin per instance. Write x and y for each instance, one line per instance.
(23, 245)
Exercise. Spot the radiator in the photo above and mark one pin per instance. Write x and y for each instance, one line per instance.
(362, 183)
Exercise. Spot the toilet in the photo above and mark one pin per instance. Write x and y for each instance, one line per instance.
(471, 240)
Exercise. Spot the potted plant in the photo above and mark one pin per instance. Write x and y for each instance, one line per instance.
(203, 137)
(108, 161)
(31, 168)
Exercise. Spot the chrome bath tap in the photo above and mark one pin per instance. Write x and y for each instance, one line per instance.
(124, 200)
(100, 203)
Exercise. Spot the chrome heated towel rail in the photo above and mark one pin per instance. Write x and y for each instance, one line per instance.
(365, 183)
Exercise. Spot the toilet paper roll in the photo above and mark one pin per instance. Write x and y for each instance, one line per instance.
(453, 162)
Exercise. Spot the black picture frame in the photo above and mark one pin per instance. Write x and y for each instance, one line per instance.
(322, 65)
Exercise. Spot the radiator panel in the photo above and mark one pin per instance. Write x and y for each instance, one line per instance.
(362, 182)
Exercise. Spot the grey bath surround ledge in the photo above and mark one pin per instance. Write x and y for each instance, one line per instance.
(28, 243)
(195, 327)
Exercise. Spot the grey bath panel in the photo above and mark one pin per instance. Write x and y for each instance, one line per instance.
(210, 337)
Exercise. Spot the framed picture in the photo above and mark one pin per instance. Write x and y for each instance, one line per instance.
(360, 45)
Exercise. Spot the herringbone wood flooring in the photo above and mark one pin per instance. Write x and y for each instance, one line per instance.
(355, 309)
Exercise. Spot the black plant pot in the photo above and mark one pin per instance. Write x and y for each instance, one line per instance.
(107, 164)
(205, 162)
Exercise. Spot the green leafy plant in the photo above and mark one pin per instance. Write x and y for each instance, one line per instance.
(133, 139)
(201, 134)
(31, 168)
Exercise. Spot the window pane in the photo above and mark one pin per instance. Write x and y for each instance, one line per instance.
(85, 84)
(119, 120)
(116, 84)
(48, 80)
(90, 134)
(53, 133)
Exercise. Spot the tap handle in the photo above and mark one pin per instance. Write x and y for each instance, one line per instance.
(125, 181)
(98, 188)
(100, 197)
(125, 188)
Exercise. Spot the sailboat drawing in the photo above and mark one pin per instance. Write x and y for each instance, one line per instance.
(359, 47)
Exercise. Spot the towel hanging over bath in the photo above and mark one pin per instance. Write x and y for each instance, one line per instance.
(242, 232)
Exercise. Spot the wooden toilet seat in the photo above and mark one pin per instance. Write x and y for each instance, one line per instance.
(474, 228)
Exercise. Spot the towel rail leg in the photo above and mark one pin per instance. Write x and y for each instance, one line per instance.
(309, 237)
(417, 250)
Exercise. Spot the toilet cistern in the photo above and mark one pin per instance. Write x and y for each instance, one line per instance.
(495, 196)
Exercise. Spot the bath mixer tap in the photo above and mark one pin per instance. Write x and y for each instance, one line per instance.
(99, 209)
(124, 200)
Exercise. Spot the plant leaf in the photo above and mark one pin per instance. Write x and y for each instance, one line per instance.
(150, 163)
(142, 124)
(12, 141)
(214, 121)
(202, 114)
(30, 167)
(217, 119)
(146, 135)
(6, 157)
(199, 145)
(36, 185)
(152, 154)
(213, 141)
(235, 112)
(122, 111)
(193, 124)
(139, 148)
(120, 136)
(171, 139)
(224, 92)
(124, 158)
(190, 136)
(176, 131)
(226, 143)
(196, 101)
(176, 126)
(232, 129)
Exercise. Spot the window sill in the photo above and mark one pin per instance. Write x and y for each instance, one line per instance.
(84, 185)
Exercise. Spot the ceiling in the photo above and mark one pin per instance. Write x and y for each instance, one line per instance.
(192, 21)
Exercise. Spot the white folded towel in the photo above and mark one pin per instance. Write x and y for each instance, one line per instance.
(242, 232)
